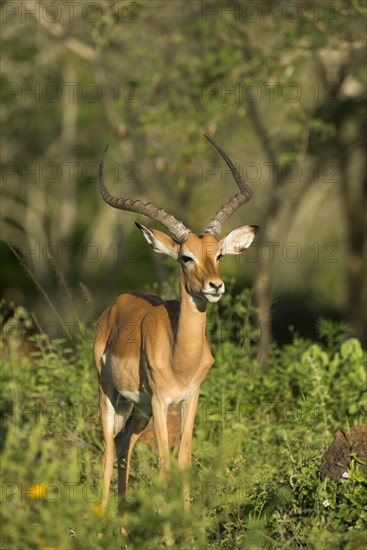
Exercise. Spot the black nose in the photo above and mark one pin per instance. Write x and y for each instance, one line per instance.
(213, 285)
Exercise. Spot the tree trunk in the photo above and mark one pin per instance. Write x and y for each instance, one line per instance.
(262, 289)
(355, 266)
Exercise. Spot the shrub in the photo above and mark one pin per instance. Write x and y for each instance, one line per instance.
(258, 445)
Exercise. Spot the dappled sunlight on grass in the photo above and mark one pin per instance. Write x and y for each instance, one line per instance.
(258, 446)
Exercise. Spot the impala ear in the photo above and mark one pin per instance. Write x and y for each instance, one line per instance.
(159, 241)
(238, 240)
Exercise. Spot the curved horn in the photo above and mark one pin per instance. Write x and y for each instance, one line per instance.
(226, 210)
(177, 228)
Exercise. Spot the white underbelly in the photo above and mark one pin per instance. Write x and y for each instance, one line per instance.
(138, 397)
(143, 399)
(178, 396)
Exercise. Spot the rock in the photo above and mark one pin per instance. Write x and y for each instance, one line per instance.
(337, 457)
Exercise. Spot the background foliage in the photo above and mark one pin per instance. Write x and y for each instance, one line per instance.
(282, 87)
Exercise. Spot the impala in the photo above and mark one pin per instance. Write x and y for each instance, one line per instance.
(152, 353)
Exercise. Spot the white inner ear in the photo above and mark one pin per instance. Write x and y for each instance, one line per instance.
(237, 240)
(160, 242)
(149, 237)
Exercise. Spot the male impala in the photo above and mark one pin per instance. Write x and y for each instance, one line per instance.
(152, 353)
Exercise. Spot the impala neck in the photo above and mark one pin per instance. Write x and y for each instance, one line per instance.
(190, 336)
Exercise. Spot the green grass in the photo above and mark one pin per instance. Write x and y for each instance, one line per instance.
(258, 446)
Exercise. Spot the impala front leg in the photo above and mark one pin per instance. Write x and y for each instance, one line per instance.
(188, 410)
(159, 409)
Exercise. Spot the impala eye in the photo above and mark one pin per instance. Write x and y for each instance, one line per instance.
(186, 259)
(219, 257)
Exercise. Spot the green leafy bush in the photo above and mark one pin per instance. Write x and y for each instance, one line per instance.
(258, 447)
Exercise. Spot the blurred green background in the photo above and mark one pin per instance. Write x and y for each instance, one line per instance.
(281, 86)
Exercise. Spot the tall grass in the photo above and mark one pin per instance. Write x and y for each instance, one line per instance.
(258, 447)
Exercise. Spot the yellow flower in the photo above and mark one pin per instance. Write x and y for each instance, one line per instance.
(37, 491)
(97, 510)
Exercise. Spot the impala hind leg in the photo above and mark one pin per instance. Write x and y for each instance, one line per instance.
(108, 425)
(125, 441)
(113, 419)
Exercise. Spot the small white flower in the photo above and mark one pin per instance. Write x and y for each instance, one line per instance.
(345, 475)
(325, 503)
